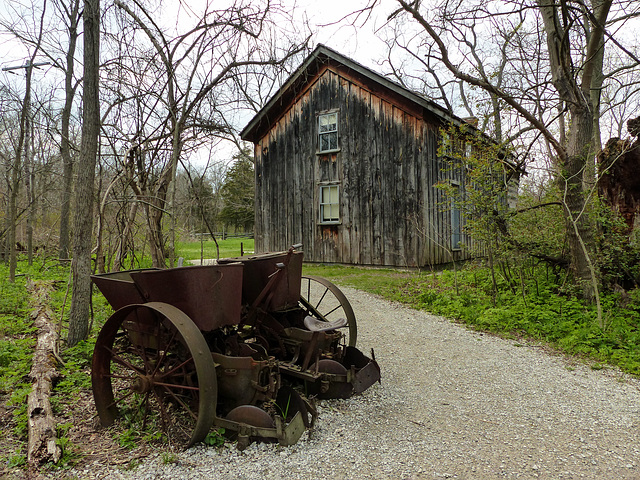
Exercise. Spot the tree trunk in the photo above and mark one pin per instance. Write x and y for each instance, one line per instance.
(123, 242)
(176, 149)
(65, 140)
(65, 209)
(12, 219)
(574, 160)
(29, 187)
(579, 226)
(597, 83)
(172, 212)
(154, 223)
(42, 426)
(99, 249)
(15, 175)
(7, 168)
(83, 217)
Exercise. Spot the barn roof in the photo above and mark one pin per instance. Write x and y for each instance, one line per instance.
(323, 56)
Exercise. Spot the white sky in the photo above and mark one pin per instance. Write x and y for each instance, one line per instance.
(326, 18)
(336, 29)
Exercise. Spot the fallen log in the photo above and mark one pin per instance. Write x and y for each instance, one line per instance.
(42, 445)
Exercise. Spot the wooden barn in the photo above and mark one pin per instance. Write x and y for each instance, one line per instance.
(346, 162)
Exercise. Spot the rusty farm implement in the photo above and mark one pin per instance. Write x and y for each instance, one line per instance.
(245, 344)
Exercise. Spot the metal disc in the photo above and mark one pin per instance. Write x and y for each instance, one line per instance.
(335, 389)
(251, 415)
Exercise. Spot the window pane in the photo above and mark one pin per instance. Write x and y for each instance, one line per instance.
(334, 212)
(323, 124)
(333, 140)
(329, 141)
(332, 121)
(456, 235)
(446, 144)
(334, 194)
(328, 123)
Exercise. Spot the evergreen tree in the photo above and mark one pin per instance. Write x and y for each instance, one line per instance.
(238, 193)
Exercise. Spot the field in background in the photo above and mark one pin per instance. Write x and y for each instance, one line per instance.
(231, 247)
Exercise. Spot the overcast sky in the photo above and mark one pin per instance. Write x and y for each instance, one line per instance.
(335, 28)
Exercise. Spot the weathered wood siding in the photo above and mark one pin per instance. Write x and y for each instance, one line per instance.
(387, 166)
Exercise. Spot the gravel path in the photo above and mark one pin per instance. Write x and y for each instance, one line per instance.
(452, 404)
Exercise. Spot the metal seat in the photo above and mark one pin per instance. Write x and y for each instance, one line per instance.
(317, 325)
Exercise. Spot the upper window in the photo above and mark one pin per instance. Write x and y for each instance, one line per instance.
(328, 132)
(329, 204)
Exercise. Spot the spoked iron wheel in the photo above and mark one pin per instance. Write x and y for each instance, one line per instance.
(323, 300)
(153, 369)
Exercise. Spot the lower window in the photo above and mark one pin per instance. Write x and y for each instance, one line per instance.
(329, 204)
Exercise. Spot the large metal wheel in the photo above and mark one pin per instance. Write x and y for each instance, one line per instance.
(323, 300)
(152, 368)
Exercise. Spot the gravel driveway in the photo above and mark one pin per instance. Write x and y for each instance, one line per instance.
(452, 404)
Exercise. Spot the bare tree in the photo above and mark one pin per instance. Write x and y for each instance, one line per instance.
(71, 15)
(175, 86)
(37, 189)
(9, 125)
(571, 38)
(83, 217)
(57, 46)
(198, 199)
(22, 150)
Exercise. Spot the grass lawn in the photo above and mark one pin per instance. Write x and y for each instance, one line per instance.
(381, 281)
(230, 247)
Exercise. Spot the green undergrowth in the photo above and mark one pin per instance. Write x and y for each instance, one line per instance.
(18, 337)
(536, 308)
(16, 345)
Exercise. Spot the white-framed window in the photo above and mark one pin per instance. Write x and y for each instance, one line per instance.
(328, 132)
(329, 203)
(456, 220)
